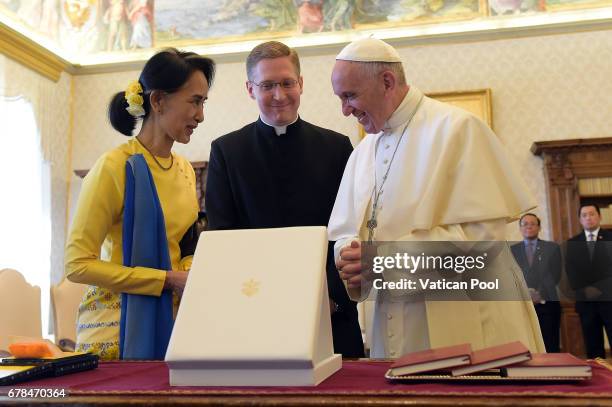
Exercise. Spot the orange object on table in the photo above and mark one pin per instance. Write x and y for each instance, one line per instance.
(35, 350)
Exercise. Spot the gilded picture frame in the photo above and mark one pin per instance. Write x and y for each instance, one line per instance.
(477, 102)
(572, 5)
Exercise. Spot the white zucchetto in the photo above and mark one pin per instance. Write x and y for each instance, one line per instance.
(369, 50)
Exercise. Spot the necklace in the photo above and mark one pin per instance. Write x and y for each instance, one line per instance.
(371, 224)
(155, 158)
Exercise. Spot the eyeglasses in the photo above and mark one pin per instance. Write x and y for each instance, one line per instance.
(267, 86)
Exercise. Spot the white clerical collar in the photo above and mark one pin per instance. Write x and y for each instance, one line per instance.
(405, 110)
(280, 130)
(595, 233)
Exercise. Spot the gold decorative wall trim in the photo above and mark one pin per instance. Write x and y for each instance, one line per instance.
(27, 52)
(69, 160)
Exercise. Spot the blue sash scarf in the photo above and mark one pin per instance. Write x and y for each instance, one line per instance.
(146, 321)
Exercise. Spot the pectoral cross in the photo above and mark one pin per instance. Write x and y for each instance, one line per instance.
(371, 223)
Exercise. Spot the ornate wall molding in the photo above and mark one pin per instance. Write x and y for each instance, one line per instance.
(29, 53)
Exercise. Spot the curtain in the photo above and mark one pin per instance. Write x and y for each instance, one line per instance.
(25, 241)
(49, 120)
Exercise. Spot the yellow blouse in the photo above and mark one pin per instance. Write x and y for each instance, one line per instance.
(94, 253)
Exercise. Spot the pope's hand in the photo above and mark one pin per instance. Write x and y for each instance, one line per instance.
(175, 281)
(349, 264)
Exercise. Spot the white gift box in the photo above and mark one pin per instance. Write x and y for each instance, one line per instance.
(255, 311)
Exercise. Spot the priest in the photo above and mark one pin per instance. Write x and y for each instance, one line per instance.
(427, 171)
(282, 171)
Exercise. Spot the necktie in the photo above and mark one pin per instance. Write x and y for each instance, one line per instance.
(591, 243)
(530, 252)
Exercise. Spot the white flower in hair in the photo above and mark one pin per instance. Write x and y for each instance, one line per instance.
(134, 99)
(136, 111)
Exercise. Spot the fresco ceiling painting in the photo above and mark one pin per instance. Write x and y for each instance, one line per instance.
(111, 27)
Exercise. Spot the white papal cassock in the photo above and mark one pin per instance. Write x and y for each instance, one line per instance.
(450, 181)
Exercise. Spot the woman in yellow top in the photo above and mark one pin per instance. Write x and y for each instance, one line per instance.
(169, 97)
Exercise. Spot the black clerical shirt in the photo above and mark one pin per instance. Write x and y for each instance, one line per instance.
(257, 179)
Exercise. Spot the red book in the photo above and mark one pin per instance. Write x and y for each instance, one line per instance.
(432, 359)
(494, 357)
(550, 365)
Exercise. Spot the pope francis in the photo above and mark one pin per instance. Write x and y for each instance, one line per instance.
(428, 171)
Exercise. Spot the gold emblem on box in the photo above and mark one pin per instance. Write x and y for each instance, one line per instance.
(250, 287)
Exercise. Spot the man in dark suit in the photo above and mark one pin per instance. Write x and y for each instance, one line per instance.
(540, 261)
(282, 171)
(589, 271)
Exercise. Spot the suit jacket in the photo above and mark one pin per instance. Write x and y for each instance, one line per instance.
(585, 270)
(257, 179)
(545, 271)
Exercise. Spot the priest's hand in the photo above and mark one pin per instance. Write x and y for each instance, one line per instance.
(175, 281)
(536, 298)
(349, 264)
(592, 292)
(333, 307)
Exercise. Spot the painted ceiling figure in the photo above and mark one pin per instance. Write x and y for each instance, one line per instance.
(310, 15)
(339, 13)
(116, 18)
(231, 9)
(433, 5)
(141, 17)
(282, 14)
